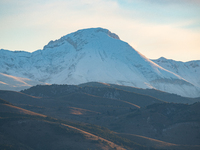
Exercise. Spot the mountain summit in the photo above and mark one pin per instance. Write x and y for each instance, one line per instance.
(93, 54)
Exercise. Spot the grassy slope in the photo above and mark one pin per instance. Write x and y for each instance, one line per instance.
(81, 107)
(22, 129)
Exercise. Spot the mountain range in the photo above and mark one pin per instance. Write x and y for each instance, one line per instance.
(97, 55)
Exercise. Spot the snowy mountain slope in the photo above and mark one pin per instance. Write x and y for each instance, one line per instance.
(8, 82)
(93, 54)
(188, 70)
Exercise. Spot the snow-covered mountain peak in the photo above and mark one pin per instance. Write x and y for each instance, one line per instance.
(81, 37)
(190, 70)
(93, 55)
(92, 33)
(113, 35)
(162, 59)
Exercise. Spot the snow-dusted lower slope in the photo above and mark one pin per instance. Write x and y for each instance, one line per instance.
(93, 54)
(188, 70)
(8, 82)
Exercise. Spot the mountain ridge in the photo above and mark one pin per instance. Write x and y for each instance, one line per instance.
(90, 55)
(188, 70)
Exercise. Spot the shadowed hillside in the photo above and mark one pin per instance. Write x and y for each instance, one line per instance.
(136, 117)
(150, 92)
(23, 129)
(103, 92)
(169, 122)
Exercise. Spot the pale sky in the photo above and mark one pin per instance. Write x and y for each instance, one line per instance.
(155, 28)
